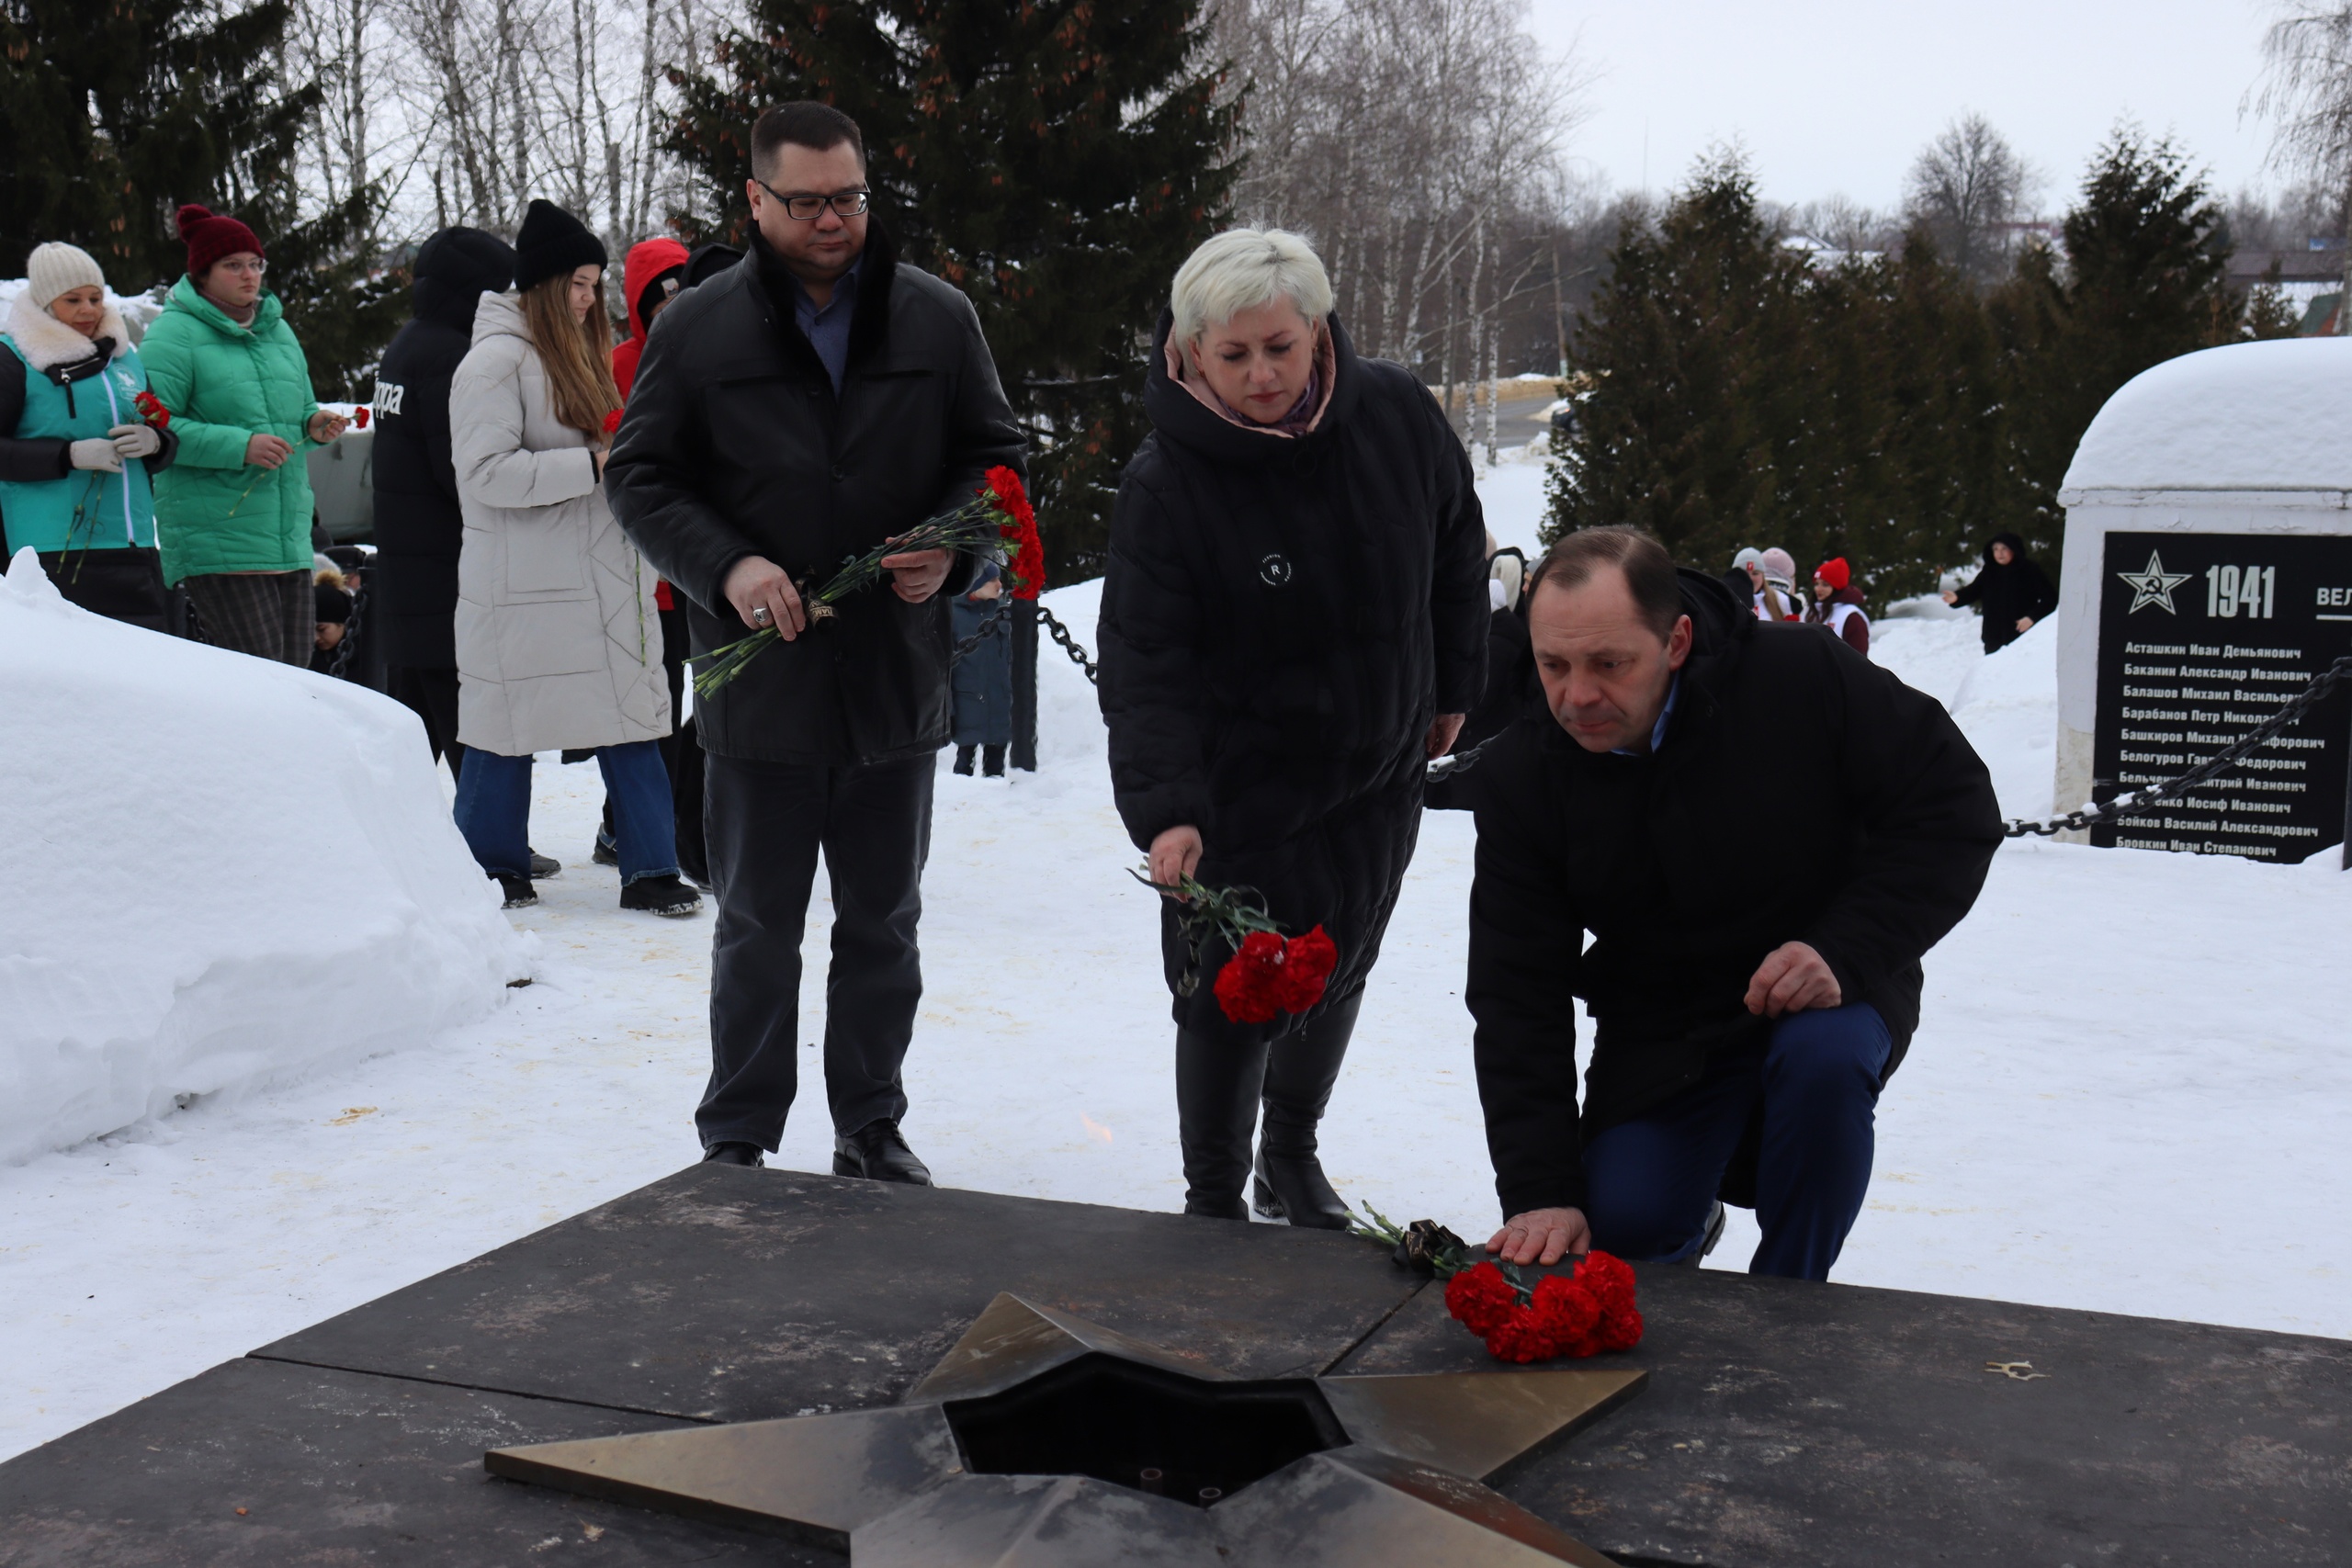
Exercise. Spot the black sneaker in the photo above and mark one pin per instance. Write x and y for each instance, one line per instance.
(660, 896)
(520, 894)
(545, 865)
(604, 853)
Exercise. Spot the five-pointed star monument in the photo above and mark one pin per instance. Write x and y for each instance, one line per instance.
(2154, 586)
(1042, 1439)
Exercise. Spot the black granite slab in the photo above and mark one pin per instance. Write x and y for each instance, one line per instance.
(334, 1467)
(1788, 1422)
(725, 1293)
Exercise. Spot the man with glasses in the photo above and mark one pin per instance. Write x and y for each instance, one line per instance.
(815, 400)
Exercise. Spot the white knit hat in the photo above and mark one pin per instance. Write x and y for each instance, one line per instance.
(56, 267)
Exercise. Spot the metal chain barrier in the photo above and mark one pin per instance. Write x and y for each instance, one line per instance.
(1455, 763)
(988, 629)
(1061, 633)
(2140, 802)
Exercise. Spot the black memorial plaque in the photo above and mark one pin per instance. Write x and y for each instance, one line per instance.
(2201, 638)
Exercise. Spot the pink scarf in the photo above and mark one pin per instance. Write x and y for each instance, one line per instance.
(1304, 416)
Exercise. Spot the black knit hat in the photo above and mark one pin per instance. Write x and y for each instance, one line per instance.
(553, 240)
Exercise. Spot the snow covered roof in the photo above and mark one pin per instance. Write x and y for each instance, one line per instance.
(2274, 415)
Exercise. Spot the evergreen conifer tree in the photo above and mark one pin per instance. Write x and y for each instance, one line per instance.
(1055, 160)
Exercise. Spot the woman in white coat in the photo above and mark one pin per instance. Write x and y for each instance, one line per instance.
(559, 636)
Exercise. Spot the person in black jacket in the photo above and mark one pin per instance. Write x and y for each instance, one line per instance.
(2011, 593)
(1293, 622)
(803, 406)
(412, 597)
(1743, 1025)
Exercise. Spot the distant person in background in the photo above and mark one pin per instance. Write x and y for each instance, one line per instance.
(559, 642)
(76, 455)
(1838, 604)
(1781, 584)
(1510, 685)
(420, 524)
(331, 604)
(982, 678)
(1746, 578)
(2011, 593)
(234, 511)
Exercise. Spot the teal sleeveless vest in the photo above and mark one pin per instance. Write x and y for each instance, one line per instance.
(84, 510)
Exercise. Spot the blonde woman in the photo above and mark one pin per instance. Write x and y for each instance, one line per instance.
(559, 636)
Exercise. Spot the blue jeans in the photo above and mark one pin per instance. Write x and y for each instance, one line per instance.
(494, 810)
(1813, 1080)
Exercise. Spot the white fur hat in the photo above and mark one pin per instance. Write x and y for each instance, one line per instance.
(56, 267)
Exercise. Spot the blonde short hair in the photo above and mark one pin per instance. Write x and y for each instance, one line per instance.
(1242, 269)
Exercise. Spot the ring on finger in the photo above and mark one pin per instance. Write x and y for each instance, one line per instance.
(761, 614)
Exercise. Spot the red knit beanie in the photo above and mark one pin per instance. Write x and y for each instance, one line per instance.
(1834, 572)
(209, 237)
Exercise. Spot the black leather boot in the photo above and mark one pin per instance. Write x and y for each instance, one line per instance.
(1300, 1071)
(992, 762)
(1216, 1110)
(964, 761)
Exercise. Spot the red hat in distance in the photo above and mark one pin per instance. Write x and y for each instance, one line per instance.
(1834, 572)
(208, 237)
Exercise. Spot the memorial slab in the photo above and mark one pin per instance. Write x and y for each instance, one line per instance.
(1782, 1423)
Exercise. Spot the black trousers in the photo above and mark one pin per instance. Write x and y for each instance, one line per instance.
(125, 584)
(432, 694)
(765, 824)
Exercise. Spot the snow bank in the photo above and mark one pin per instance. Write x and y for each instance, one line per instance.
(219, 872)
(2008, 709)
(2274, 415)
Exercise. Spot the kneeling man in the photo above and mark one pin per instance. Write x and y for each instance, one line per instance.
(1746, 1011)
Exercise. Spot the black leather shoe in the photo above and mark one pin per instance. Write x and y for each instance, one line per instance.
(1714, 1235)
(1293, 1188)
(734, 1154)
(518, 891)
(879, 1153)
(1210, 1208)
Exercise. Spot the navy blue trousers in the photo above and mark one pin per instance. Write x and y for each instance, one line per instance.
(1650, 1183)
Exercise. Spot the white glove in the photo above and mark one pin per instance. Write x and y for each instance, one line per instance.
(141, 440)
(95, 455)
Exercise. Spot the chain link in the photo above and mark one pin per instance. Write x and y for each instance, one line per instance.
(2140, 802)
(988, 629)
(1061, 633)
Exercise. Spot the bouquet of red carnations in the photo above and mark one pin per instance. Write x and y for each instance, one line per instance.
(1268, 972)
(998, 518)
(1582, 1314)
(151, 409)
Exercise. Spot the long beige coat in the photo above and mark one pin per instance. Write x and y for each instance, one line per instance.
(558, 637)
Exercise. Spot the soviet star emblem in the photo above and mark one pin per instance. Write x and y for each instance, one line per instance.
(1041, 1439)
(2153, 586)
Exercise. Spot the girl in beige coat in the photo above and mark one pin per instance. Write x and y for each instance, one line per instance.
(558, 637)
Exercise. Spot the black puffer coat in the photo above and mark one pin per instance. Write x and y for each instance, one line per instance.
(735, 444)
(412, 591)
(2005, 594)
(1282, 619)
(1777, 729)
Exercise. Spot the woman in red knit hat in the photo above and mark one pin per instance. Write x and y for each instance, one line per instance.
(233, 512)
(1838, 604)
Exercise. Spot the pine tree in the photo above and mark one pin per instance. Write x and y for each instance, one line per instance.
(1055, 160)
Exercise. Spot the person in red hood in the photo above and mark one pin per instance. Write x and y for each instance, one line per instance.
(655, 273)
(1838, 604)
(652, 278)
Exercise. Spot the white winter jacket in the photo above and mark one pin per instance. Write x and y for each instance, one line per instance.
(558, 637)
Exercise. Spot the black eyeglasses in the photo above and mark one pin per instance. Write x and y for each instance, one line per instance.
(844, 203)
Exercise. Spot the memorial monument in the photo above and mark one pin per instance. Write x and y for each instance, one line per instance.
(2208, 578)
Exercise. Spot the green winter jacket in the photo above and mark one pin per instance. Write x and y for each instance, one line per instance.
(224, 384)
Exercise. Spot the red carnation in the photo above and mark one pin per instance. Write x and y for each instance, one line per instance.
(1307, 963)
(1522, 1337)
(1480, 1299)
(1565, 1308)
(359, 417)
(151, 409)
(1248, 986)
(612, 422)
(1010, 499)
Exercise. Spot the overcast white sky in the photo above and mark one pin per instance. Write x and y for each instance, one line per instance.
(1836, 95)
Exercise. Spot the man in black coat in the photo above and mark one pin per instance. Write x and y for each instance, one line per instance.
(2011, 593)
(412, 591)
(798, 409)
(1745, 1024)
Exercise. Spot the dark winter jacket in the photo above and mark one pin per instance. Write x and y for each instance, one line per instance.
(1511, 693)
(983, 675)
(2005, 594)
(1841, 614)
(1282, 619)
(412, 592)
(734, 444)
(1777, 729)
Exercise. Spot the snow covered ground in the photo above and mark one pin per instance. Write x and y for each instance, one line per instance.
(2129, 1093)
